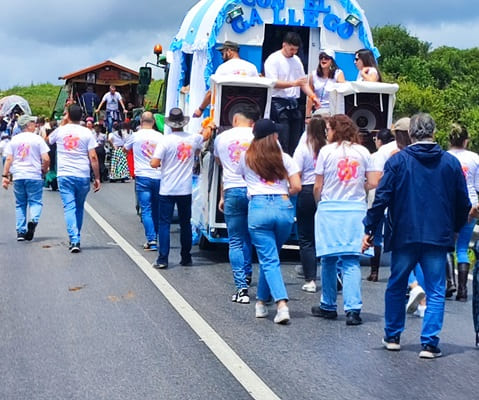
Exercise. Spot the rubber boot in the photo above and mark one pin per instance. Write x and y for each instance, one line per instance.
(462, 273)
(375, 262)
(450, 275)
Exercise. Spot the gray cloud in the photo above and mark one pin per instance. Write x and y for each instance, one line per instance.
(55, 37)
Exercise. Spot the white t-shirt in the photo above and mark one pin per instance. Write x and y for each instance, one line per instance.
(229, 146)
(470, 167)
(26, 148)
(304, 157)
(112, 101)
(116, 139)
(143, 143)
(237, 66)
(257, 185)
(344, 168)
(371, 71)
(279, 67)
(322, 87)
(73, 144)
(177, 154)
(379, 158)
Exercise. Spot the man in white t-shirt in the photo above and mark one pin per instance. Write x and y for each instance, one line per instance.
(176, 154)
(147, 179)
(75, 153)
(286, 68)
(112, 99)
(27, 158)
(229, 146)
(232, 65)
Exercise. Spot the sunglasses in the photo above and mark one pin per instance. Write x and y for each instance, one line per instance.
(324, 57)
(356, 59)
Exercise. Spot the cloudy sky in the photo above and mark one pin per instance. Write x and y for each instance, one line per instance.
(55, 38)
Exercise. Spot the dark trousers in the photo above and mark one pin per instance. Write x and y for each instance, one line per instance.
(305, 210)
(167, 205)
(286, 113)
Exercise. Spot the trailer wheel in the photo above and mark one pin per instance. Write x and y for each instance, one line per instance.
(204, 243)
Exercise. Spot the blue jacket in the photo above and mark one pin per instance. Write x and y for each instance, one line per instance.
(425, 191)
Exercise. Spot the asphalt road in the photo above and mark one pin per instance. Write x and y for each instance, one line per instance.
(100, 325)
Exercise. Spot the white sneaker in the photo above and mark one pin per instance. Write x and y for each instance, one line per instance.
(309, 287)
(416, 295)
(421, 309)
(282, 316)
(261, 310)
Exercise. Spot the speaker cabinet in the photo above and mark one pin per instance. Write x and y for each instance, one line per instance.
(369, 111)
(231, 93)
(235, 98)
(369, 104)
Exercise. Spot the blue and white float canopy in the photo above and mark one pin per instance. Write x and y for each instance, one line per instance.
(335, 24)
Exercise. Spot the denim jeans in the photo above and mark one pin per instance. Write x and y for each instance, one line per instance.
(28, 192)
(167, 205)
(416, 275)
(236, 217)
(462, 242)
(270, 219)
(148, 194)
(432, 260)
(305, 210)
(73, 191)
(348, 265)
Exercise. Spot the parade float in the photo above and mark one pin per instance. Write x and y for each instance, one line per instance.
(258, 26)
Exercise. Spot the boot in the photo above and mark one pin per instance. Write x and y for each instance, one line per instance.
(375, 261)
(450, 275)
(462, 273)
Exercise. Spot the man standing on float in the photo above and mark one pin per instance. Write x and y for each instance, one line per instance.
(285, 67)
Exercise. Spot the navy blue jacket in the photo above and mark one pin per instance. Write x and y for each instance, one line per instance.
(425, 191)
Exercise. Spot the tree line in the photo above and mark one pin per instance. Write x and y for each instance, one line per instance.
(443, 82)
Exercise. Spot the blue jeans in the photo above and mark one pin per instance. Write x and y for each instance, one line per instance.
(148, 194)
(348, 265)
(432, 260)
(73, 191)
(28, 192)
(111, 116)
(416, 275)
(462, 242)
(167, 205)
(236, 217)
(270, 219)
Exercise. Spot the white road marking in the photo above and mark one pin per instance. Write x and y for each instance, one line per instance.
(253, 384)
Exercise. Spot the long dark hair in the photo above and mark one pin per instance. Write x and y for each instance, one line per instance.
(265, 158)
(316, 134)
(367, 57)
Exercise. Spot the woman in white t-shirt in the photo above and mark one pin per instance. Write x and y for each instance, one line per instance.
(341, 170)
(118, 163)
(367, 66)
(321, 80)
(271, 177)
(458, 138)
(305, 156)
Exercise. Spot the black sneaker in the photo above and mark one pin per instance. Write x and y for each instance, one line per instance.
(75, 247)
(317, 311)
(241, 296)
(186, 262)
(20, 237)
(392, 343)
(248, 279)
(158, 265)
(353, 318)
(429, 351)
(31, 230)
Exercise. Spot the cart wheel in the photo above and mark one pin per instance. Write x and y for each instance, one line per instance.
(204, 243)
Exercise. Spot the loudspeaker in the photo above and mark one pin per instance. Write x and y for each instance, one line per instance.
(231, 93)
(368, 110)
(235, 98)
